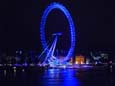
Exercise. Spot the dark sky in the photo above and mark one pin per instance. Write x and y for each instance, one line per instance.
(94, 21)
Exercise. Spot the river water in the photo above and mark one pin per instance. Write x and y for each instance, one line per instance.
(57, 77)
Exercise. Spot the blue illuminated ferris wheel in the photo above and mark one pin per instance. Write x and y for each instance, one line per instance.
(72, 39)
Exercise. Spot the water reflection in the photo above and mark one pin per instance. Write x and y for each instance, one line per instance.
(55, 77)
(60, 77)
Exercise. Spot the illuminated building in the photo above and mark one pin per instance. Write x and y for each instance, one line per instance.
(79, 59)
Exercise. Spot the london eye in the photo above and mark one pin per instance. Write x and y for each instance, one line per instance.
(50, 46)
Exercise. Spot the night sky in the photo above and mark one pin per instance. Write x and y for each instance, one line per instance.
(94, 21)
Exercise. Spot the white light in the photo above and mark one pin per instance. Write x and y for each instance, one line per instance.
(76, 62)
(64, 66)
(23, 70)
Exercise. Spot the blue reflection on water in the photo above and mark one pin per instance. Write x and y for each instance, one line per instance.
(60, 77)
(57, 77)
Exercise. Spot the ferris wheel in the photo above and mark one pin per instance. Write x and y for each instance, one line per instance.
(72, 32)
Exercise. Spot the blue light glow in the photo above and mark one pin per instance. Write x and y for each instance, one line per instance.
(51, 7)
(61, 77)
